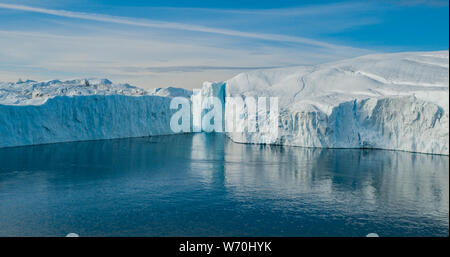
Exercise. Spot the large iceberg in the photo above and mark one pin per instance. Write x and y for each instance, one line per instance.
(387, 101)
(59, 111)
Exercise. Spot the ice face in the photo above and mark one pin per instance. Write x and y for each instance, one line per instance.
(85, 109)
(64, 118)
(388, 101)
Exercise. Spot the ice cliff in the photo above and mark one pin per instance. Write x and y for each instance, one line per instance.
(59, 111)
(388, 101)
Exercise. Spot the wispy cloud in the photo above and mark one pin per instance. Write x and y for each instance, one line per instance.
(309, 10)
(141, 60)
(170, 25)
(154, 52)
(419, 2)
(198, 68)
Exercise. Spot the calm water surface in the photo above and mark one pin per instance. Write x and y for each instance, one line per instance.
(205, 185)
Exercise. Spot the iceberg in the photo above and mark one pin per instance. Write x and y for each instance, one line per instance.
(60, 111)
(385, 101)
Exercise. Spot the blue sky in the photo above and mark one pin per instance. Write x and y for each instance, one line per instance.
(182, 43)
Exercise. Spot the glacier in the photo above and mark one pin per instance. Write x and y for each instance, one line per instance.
(386, 101)
(60, 111)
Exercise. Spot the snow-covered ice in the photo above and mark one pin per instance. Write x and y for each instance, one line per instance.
(388, 101)
(31, 92)
(59, 111)
(172, 92)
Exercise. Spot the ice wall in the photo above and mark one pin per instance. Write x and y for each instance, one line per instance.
(59, 111)
(202, 103)
(63, 118)
(389, 101)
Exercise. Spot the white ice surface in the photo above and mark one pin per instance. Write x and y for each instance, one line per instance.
(31, 92)
(60, 111)
(388, 101)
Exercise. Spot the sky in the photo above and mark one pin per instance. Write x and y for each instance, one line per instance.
(154, 44)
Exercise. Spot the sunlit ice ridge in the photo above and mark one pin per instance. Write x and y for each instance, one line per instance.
(385, 101)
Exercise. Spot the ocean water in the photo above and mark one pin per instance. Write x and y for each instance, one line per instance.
(206, 185)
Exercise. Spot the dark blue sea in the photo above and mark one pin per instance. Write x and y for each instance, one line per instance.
(206, 185)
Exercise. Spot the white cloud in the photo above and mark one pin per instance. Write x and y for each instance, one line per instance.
(147, 53)
(170, 25)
